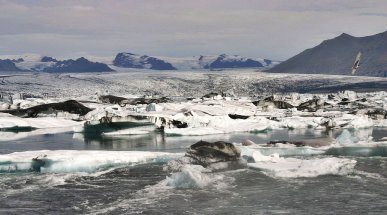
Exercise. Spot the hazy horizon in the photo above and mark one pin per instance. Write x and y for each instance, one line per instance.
(275, 30)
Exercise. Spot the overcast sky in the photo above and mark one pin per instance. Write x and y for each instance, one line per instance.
(275, 29)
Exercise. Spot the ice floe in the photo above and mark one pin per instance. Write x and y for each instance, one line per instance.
(77, 161)
(8, 121)
(276, 166)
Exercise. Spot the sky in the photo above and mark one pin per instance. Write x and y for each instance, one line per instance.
(275, 29)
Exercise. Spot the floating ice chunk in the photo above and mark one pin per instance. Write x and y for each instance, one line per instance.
(10, 135)
(77, 161)
(154, 107)
(345, 138)
(9, 121)
(258, 157)
(247, 152)
(362, 121)
(297, 122)
(202, 125)
(359, 135)
(276, 166)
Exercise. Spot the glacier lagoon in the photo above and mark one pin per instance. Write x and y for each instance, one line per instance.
(330, 157)
(93, 173)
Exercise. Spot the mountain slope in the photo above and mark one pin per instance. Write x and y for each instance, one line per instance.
(129, 60)
(8, 66)
(78, 65)
(337, 55)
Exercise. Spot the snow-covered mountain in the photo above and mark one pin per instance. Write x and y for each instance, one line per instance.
(129, 60)
(78, 65)
(222, 61)
(36, 63)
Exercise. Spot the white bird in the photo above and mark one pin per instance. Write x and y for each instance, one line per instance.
(356, 65)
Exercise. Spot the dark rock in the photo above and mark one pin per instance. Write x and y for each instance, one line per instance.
(237, 116)
(344, 103)
(70, 106)
(210, 95)
(205, 153)
(179, 124)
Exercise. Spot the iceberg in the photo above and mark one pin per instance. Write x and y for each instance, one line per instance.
(58, 161)
(8, 121)
(276, 166)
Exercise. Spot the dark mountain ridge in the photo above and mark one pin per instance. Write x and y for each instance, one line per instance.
(336, 57)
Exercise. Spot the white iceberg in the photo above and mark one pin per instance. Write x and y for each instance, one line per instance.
(276, 166)
(77, 161)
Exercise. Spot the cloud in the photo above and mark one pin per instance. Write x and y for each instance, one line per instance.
(274, 29)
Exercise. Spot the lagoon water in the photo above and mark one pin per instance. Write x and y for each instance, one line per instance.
(141, 188)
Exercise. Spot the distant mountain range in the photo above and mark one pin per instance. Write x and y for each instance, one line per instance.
(219, 62)
(337, 55)
(125, 60)
(48, 64)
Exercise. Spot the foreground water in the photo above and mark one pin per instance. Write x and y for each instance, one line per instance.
(143, 188)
